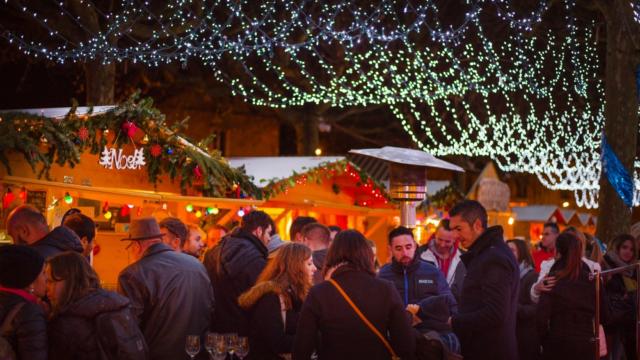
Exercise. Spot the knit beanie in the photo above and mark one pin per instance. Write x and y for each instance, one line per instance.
(19, 266)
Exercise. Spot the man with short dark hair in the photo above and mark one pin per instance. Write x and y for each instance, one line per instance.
(175, 232)
(317, 237)
(194, 245)
(415, 280)
(85, 228)
(550, 232)
(234, 265)
(297, 225)
(170, 292)
(486, 321)
(27, 226)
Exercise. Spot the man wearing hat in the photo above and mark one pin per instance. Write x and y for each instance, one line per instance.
(170, 292)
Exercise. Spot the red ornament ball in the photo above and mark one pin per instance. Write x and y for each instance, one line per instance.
(83, 133)
(156, 150)
(130, 128)
(197, 171)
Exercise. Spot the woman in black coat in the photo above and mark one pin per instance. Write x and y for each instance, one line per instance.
(22, 284)
(275, 301)
(77, 300)
(330, 327)
(526, 332)
(621, 289)
(566, 314)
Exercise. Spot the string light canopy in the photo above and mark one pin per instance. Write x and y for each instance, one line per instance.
(180, 30)
(455, 88)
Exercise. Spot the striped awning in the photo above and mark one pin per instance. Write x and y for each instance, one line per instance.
(376, 162)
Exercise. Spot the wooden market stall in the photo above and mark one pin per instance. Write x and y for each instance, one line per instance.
(114, 186)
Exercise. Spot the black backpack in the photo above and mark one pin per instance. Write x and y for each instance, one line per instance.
(119, 337)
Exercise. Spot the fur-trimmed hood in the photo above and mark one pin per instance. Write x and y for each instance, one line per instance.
(251, 297)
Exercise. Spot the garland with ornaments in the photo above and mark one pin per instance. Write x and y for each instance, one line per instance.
(159, 148)
(324, 172)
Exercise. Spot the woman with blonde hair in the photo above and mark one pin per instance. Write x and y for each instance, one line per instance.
(274, 302)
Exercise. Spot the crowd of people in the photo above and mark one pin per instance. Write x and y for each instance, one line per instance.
(466, 294)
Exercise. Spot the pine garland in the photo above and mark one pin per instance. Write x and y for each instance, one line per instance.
(47, 141)
(318, 174)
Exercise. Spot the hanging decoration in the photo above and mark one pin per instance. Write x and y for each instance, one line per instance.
(156, 150)
(129, 128)
(617, 174)
(112, 157)
(83, 133)
(197, 172)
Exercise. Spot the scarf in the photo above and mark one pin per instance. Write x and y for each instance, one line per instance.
(524, 269)
(25, 295)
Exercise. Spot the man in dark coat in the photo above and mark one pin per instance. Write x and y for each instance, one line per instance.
(415, 280)
(170, 292)
(27, 226)
(234, 265)
(486, 321)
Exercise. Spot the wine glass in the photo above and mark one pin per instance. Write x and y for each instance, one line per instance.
(231, 341)
(192, 345)
(216, 346)
(242, 347)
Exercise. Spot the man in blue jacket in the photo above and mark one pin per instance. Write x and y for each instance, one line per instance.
(486, 322)
(415, 280)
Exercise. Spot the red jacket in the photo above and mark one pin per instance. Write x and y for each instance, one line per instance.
(541, 255)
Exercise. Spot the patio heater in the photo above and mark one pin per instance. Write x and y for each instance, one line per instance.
(406, 172)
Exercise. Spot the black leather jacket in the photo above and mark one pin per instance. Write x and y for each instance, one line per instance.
(171, 296)
(28, 332)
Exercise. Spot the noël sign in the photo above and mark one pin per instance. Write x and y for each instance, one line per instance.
(112, 157)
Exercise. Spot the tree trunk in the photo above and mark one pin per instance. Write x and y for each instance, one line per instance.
(621, 113)
(308, 134)
(100, 82)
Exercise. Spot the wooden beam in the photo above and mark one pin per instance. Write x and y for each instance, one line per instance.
(223, 220)
(282, 215)
(381, 221)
